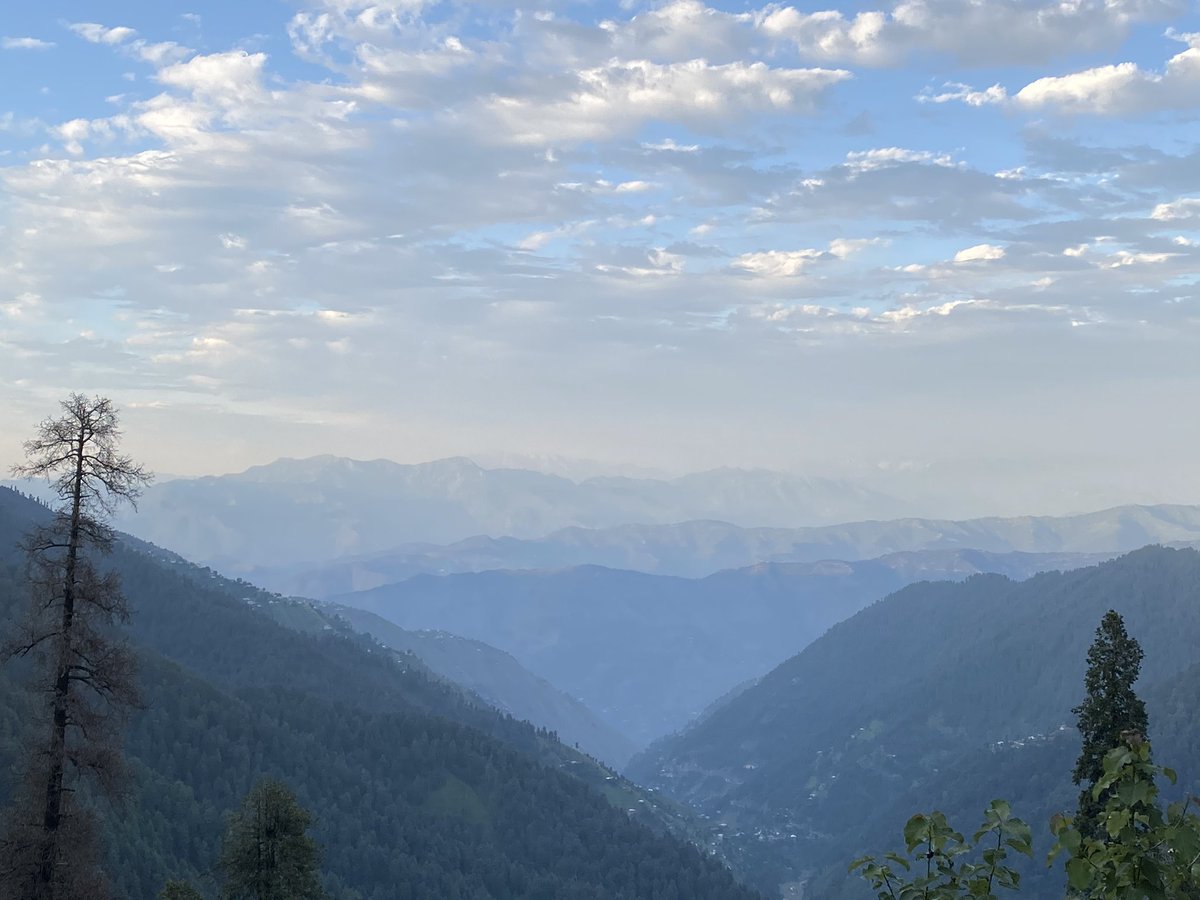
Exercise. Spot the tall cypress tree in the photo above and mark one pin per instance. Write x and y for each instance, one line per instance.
(1110, 709)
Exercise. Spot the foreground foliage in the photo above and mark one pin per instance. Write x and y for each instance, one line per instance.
(948, 866)
(1142, 851)
(1109, 709)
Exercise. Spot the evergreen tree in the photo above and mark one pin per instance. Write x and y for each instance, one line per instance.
(267, 853)
(179, 890)
(1110, 711)
(84, 674)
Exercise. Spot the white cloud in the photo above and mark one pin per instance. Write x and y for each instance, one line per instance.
(100, 34)
(843, 248)
(228, 81)
(964, 93)
(25, 43)
(657, 262)
(1183, 208)
(885, 157)
(790, 263)
(620, 96)
(1121, 89)
(1125, 258)
(539, 239)
(778, 263)
(979, 253)
(971, 32)
(680, 30)
(829, 36)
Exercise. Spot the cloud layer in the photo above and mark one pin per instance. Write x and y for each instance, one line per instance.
(672, 234)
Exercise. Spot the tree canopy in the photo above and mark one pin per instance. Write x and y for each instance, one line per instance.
(267, 853)
(1110, 709)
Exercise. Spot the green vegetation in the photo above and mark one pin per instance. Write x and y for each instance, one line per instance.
(179, 890)
(945, 861)
(368, 742)
(267, 853)
(1110, 709)
(1140, 852)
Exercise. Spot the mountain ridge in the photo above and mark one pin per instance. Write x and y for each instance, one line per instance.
(703, 547)
(331, 506)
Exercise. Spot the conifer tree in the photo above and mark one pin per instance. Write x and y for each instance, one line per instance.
(179, 890)
(83, 673)
(1109, 713)
(267, 853)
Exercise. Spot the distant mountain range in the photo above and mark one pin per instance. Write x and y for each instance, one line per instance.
(327, 525)
(942, 696)
(296, 511)
(700, 548)
(648, 653)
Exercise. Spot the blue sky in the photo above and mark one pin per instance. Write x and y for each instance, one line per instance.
(951, 241)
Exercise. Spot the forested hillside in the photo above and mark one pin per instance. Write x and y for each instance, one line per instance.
(417, 790)
(497, 678)
(942, 695)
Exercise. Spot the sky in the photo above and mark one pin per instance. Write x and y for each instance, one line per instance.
(949, 241)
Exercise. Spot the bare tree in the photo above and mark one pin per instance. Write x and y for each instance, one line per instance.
(84, 674)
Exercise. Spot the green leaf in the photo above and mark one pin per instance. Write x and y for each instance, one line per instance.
(1079, 873)
(1116, 821)
(916, 831)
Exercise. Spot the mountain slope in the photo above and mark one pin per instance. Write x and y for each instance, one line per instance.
(417, 791)
(907, 703)
(500, 680)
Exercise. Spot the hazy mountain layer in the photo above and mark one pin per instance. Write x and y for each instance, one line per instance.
(294, 512)
(942, 695)
(696, 549)
(648, 653)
